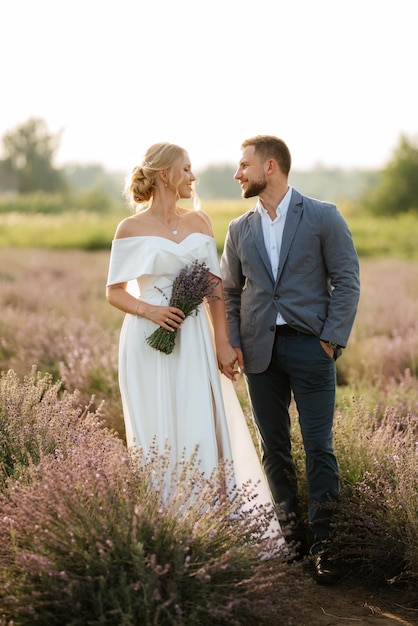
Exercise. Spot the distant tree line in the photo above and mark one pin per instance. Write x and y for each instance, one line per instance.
(332, 184)
(29, 152)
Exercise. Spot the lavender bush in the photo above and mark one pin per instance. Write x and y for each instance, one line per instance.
(88, 535)
(36, 421)
(376, 529)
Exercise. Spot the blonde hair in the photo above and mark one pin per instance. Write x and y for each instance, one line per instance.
(140, 185)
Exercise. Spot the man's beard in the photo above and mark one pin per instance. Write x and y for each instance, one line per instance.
(255, 189)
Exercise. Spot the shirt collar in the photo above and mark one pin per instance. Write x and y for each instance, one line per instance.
(282, 206)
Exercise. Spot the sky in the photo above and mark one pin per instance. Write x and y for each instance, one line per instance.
(336, 79)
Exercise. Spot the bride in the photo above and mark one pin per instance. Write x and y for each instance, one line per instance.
(178, 398)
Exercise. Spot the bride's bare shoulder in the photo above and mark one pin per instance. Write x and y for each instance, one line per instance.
(199, 221)
(132, 226)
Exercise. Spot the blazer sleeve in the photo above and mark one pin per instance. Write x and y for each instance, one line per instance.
(342, 263)
(233, 281)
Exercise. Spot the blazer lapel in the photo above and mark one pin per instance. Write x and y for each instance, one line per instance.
(294, 213)
(256, 227)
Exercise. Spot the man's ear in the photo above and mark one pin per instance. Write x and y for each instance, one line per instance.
(271, 166)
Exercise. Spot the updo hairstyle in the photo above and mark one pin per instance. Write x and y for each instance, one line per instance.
(140, 185)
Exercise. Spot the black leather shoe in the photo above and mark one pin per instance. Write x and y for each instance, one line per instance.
(327, 571)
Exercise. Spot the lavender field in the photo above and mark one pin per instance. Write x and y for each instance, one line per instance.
(61, 423)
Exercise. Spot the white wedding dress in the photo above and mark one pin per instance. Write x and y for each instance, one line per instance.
(180, 398)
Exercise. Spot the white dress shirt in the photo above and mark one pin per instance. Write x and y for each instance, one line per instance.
(273, 233)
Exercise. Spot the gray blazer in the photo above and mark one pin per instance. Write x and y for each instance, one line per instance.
(317, 287)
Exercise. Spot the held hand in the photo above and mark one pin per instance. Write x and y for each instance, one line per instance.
(240, 359)
(227, 360)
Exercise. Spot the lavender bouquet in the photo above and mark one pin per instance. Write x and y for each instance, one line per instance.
(193, 284)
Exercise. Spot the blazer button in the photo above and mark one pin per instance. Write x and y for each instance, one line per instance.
(273, 329)
(276, 297)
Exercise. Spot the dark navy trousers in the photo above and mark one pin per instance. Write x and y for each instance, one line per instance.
(299, 365)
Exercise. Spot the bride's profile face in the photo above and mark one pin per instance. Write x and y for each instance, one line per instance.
(184, 177)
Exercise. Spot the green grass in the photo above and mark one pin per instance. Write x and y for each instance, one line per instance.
(373, 236)
(69, 230)
(385, 236)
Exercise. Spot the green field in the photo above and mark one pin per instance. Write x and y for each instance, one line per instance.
(373, 236)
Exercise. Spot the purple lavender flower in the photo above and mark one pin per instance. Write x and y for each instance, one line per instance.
(193, 284)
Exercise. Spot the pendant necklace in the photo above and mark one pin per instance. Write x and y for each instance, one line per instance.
(173, 230)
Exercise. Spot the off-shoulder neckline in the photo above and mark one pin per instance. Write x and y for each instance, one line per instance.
(177, 243)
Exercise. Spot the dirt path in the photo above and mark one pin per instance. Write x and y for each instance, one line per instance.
(349, 604)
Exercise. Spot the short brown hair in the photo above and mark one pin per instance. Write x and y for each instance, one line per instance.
(271, 147)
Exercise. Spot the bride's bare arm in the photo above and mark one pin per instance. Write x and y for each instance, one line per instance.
(169, 317)
(226, 354)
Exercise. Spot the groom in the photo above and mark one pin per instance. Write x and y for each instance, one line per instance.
(291, 282)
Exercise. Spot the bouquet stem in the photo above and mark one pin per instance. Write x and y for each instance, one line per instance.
(163, 340)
